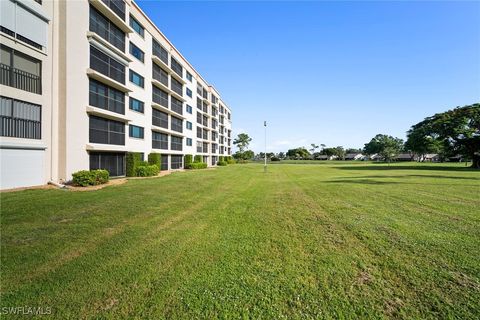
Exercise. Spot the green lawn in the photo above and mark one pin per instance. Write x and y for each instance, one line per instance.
(349, 240)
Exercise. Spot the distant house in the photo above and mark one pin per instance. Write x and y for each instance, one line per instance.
(431, 157)
(322, 157)
(457, 158)
(354, 156)
(405, 157)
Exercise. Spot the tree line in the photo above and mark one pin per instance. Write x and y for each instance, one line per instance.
(448, 134)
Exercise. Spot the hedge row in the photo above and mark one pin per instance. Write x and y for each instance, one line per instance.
(196, 165)
(135, 167)
(86, 178)
(147, 170)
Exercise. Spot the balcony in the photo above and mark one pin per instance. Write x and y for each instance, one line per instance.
(106, 80)
(20, 79)
(114, 11)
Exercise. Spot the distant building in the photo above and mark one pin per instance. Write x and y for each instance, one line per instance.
(354, 156)
(406, 157)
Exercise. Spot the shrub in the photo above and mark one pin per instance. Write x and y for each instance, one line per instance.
(188, 159)
(221, 159)
(275, 159)
(154, 158)
(147, 170)
(90, 177)
(230, 160)
(132, 162)
(221, 163)
(196, 165)
(198, 158)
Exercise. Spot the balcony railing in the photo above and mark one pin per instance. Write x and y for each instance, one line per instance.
(20, 128)
(20, 79)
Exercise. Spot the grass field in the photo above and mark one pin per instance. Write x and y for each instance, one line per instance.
(350, 240)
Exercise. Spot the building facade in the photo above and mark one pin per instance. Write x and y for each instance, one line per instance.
(111, 83)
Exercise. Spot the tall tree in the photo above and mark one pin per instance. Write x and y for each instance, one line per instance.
(458, 130)
(314, 148)
(242, 141)
(298, 153)
(386, 146)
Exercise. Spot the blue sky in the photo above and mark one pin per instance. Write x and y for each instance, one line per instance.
(329, 72)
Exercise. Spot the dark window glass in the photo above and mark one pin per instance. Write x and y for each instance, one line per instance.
(136, 78)
(205, 148)
(102, 26)
(205, 134)
(137, 27)
(177, 162)
(189, 92)
(135, 132)
(189, 125)
(117, 6)
(160, 51)
(159, 118)
(164, 165)
(160, 75)
(159, 141)
(176, 143)
(189, 76)
(20, 119)
(176, 86)
(20, 71)
(199, 103)
(114, 163)
(205, 121)
(176, 66)
(106, 131)
(105, 97)
(176, 105)
(106, 65)
(177, 124)
(199, 132)
(199, 118)
(136, 105)
(160, 97)
(136, 52)
(189, 109)
(189, 142)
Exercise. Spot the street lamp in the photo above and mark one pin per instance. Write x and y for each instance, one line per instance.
(265, 155)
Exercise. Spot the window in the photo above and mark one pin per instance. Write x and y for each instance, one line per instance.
(176, 86)
(176, 143)
(189, 76)
(159, 51)
(214, 160)
(214, 136)
(136, 52)
(20, 71)
(189, 109)
(164, 164)
(137, 79)
(159, 96)
(189, 125)
(137, 27)
(189, 142)
(199, 146)
(117, 6)
(199, 103)
(105, 97)
(135, 132)
(136, 105)
(205, 120)
(114, 163)
(214, 148)
(102, 26)
(160, 75)
(20, 119)
(205, 134)
(176, 105)
(159, 141)
(106, 131)
(189, 92)
(205, 149)
(159, 118)
(199, 132)
(106, 65)
(176, 67)
(176, 124)
(177, 162)
(199, 118)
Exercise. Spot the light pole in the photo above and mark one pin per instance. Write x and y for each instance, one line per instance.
(265, 155)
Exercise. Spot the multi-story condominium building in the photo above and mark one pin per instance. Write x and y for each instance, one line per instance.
(84, 82)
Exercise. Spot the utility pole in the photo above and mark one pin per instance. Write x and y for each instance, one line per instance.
(265, 166)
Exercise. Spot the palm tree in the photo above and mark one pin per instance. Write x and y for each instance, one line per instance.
(314, 147)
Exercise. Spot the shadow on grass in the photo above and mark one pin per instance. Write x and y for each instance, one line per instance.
(419, 176)
(406, 167)
(363, 181)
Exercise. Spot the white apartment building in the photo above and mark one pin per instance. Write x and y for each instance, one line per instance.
(84, 82)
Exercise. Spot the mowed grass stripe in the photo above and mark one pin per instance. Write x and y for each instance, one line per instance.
(316, 241)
